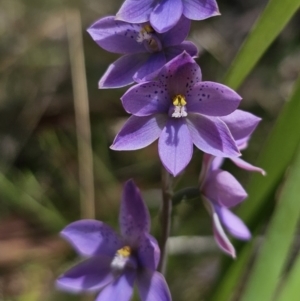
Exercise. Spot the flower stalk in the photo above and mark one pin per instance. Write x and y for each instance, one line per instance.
(165, 217)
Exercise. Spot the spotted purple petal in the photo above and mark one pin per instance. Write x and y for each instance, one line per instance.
(175, 146)
(91, 237)
(89, 275)
(212, 99)
(146, 99)
(152, 286)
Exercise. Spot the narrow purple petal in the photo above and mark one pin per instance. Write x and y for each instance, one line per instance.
(136, 11)
(241, 124)
(116, 36)
(200, 9)
(134, 216)
(222, 188)
(139, 132)
(166, 14)
(121, 72)
(121, 289)
(247, 166)
(146, 99)
(91, 237)
(89, 275)
(212, 99)
(212, 136)
(177, 34)
(148, 252)
(173, 51)
(175, 146)
(154, 62)
(221, 237)
(152, 286)
(233, 224)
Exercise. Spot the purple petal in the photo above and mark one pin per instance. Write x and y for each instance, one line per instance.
(136, 11)
(152, 286)
(221, 237)
(134, 216)
(121, 72)
(148, 252)
(233, 224)
(177, 34)
(247, 166)
(189, 47)
(217, 163)
(121, 289)
(212, 136)
(91, 237)
(222, 188)
(175, 146)
(155, 62)
(146, 99)
(212, 99)
(200, 9)
(166, 14)
(139, 132)
(181, 73)
(90, 275)
(116, 36)
(241, 124)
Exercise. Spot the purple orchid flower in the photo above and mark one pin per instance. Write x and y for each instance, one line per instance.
(180, 110)
(241, 124)
(221, 191)
(145, 50)
(165, 14)
(114, 263)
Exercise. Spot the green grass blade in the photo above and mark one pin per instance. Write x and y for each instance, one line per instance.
(275, 157)
(291, 288)
(267, 28)
(266, 272)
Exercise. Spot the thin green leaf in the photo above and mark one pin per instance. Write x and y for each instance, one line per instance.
(267, 28)
(291, 287)
(265, 275)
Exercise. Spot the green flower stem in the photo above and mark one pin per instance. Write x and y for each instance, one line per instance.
(165, 217)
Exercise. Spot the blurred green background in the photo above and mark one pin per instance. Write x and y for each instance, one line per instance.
(41, 160)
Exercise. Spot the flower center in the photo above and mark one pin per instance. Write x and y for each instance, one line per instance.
(121, 259)
(149, 39)
(179, 109)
